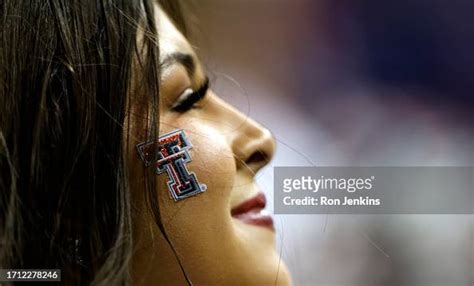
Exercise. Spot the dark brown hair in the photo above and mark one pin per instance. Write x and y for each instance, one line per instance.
(65, 80)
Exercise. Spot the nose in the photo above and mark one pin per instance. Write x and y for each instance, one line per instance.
(254, 147)
(252, 144)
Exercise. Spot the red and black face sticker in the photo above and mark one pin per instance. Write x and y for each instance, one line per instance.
(170, 154)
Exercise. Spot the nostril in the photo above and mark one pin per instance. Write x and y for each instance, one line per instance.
(259, 157)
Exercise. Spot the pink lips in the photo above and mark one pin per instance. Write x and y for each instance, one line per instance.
(250, 212)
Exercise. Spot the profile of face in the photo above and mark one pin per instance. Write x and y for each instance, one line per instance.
(220, 236)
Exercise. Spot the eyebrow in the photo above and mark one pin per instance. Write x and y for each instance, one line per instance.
(186, 60)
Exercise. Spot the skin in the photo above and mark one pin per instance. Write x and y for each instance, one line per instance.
(214, 248)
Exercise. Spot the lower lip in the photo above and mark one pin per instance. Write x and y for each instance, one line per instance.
(256, 218)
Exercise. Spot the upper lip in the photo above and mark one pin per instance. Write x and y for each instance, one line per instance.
(254, 204)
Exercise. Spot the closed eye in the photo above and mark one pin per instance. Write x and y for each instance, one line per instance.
(190, 97)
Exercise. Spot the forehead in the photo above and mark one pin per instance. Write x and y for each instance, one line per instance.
(171, 40)
(174, 44)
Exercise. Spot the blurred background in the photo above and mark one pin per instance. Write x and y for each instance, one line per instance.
(354, 83)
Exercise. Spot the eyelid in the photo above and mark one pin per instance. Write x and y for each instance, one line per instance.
(184, 95)
(189, 97)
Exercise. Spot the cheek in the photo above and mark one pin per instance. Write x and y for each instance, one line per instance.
(213, 163)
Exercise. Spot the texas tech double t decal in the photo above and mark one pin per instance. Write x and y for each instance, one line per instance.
(170, 154)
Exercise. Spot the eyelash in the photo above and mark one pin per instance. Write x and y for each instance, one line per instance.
(191, 99)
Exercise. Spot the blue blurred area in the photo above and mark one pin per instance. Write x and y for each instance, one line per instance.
(425, 43)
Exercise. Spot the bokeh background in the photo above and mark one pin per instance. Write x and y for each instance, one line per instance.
(354, 83)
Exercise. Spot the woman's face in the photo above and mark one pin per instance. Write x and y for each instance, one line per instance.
(220, 235)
